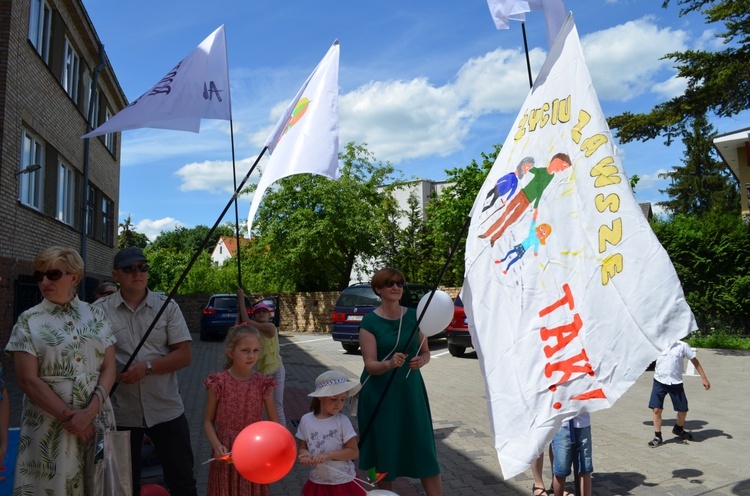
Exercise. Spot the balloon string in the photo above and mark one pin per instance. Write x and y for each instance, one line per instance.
(419, 348)
(347, 473)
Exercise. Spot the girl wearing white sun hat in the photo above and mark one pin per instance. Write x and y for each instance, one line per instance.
(327, 440)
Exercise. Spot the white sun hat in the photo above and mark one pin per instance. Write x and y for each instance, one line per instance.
(333, 383)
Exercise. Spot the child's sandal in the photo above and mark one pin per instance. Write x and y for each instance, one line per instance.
(534, 490)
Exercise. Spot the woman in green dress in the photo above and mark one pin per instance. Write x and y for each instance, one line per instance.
(65, 364)
(398, 439)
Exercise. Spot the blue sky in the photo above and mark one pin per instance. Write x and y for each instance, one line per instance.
(428, 85)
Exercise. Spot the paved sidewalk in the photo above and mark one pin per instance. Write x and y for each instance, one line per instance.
(715, 463)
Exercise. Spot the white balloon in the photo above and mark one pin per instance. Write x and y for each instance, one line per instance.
(383, 492)
(438, 315)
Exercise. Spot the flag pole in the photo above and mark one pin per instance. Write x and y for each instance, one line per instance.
(236, 212)
(184, 274)
(526, 49)
(392, 376)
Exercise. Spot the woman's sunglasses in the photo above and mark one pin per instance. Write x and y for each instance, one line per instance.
(132, 268)
(107, 293)
(390, 282)
(52, 275)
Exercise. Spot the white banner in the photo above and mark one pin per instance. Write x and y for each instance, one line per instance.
(503, 11)
(306, 138)
(197, 88)
(568, 293)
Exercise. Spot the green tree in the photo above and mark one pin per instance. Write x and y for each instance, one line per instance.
(446, 217)
(717, 82)
(129, 237)
(311, 230)
(410, 243)
(711, 255)
(703, 183)
(189, 240)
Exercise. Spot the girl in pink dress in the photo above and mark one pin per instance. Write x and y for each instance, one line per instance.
(236, 398)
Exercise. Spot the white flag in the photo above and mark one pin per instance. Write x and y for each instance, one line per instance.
(306, 138)
(504, 11)
(568, 292)
(197, 88)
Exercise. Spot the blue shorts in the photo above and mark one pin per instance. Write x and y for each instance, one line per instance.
(562, 447)
(676, 394)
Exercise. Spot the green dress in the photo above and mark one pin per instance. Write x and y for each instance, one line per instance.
(69, 342)
(400, 441)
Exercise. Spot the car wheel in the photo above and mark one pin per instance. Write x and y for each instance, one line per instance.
(350, 348)
(456, 350)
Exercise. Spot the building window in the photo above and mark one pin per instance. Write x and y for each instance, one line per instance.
(66, 192)
(40, 21)
(30, 183)
(91, 105)
(107, 218)
(91, 211)
(109, 138)
(71, 74)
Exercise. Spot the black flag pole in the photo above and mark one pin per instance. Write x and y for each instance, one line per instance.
(526, 49)
(236, 211)
(184, 274)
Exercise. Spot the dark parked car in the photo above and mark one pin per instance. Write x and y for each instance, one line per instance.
(457, 333)
(359, 299)
(220, 313)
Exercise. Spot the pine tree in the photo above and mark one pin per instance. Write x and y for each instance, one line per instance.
(703, 184)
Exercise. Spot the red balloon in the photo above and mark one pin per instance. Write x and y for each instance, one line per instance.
(154, 490)
(264, 452)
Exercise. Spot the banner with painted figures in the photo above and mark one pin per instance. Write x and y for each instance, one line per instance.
(568, 293)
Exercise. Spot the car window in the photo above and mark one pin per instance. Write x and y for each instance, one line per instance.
(358, 297)
(458, 302)
(225, 302)
(413, 294)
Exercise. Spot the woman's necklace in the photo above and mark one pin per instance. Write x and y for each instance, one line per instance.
(390, 313)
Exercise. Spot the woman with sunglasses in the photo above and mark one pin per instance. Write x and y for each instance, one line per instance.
(105, 289)
(398, 438)
(65, 364)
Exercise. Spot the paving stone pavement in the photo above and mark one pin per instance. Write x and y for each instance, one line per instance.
(715, 463)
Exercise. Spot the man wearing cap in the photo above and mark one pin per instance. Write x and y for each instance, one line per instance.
(147, 398)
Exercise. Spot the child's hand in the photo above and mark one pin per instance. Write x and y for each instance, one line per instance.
(321, 458)
(305, 458)
(221, 450)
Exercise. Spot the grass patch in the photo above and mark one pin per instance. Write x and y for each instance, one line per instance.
(720, 340)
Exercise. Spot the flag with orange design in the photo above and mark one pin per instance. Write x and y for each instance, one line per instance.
(306, 137)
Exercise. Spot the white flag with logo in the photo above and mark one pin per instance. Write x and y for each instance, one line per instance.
(196, 88)
(568, 293)
(306, 138)
(504, 11)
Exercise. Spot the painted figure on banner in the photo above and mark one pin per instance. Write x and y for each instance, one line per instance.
(506, 186)
(530, 195)
(538, 235)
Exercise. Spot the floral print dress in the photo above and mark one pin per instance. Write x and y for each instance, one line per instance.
(69, 342)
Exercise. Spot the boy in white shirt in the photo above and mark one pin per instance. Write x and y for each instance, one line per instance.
(668, 380)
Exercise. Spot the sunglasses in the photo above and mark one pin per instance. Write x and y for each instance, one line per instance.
(132, 268)
(107, 293)
(389, 283)
(52, 275)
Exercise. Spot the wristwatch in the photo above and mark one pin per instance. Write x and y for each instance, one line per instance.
(149, 369)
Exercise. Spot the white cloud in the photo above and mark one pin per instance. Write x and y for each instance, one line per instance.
(709, 41)
(404, 119)
(497, 81)
(649, 181)
(672, 87)
(625, 60)
(152, 228)
(213, 176)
